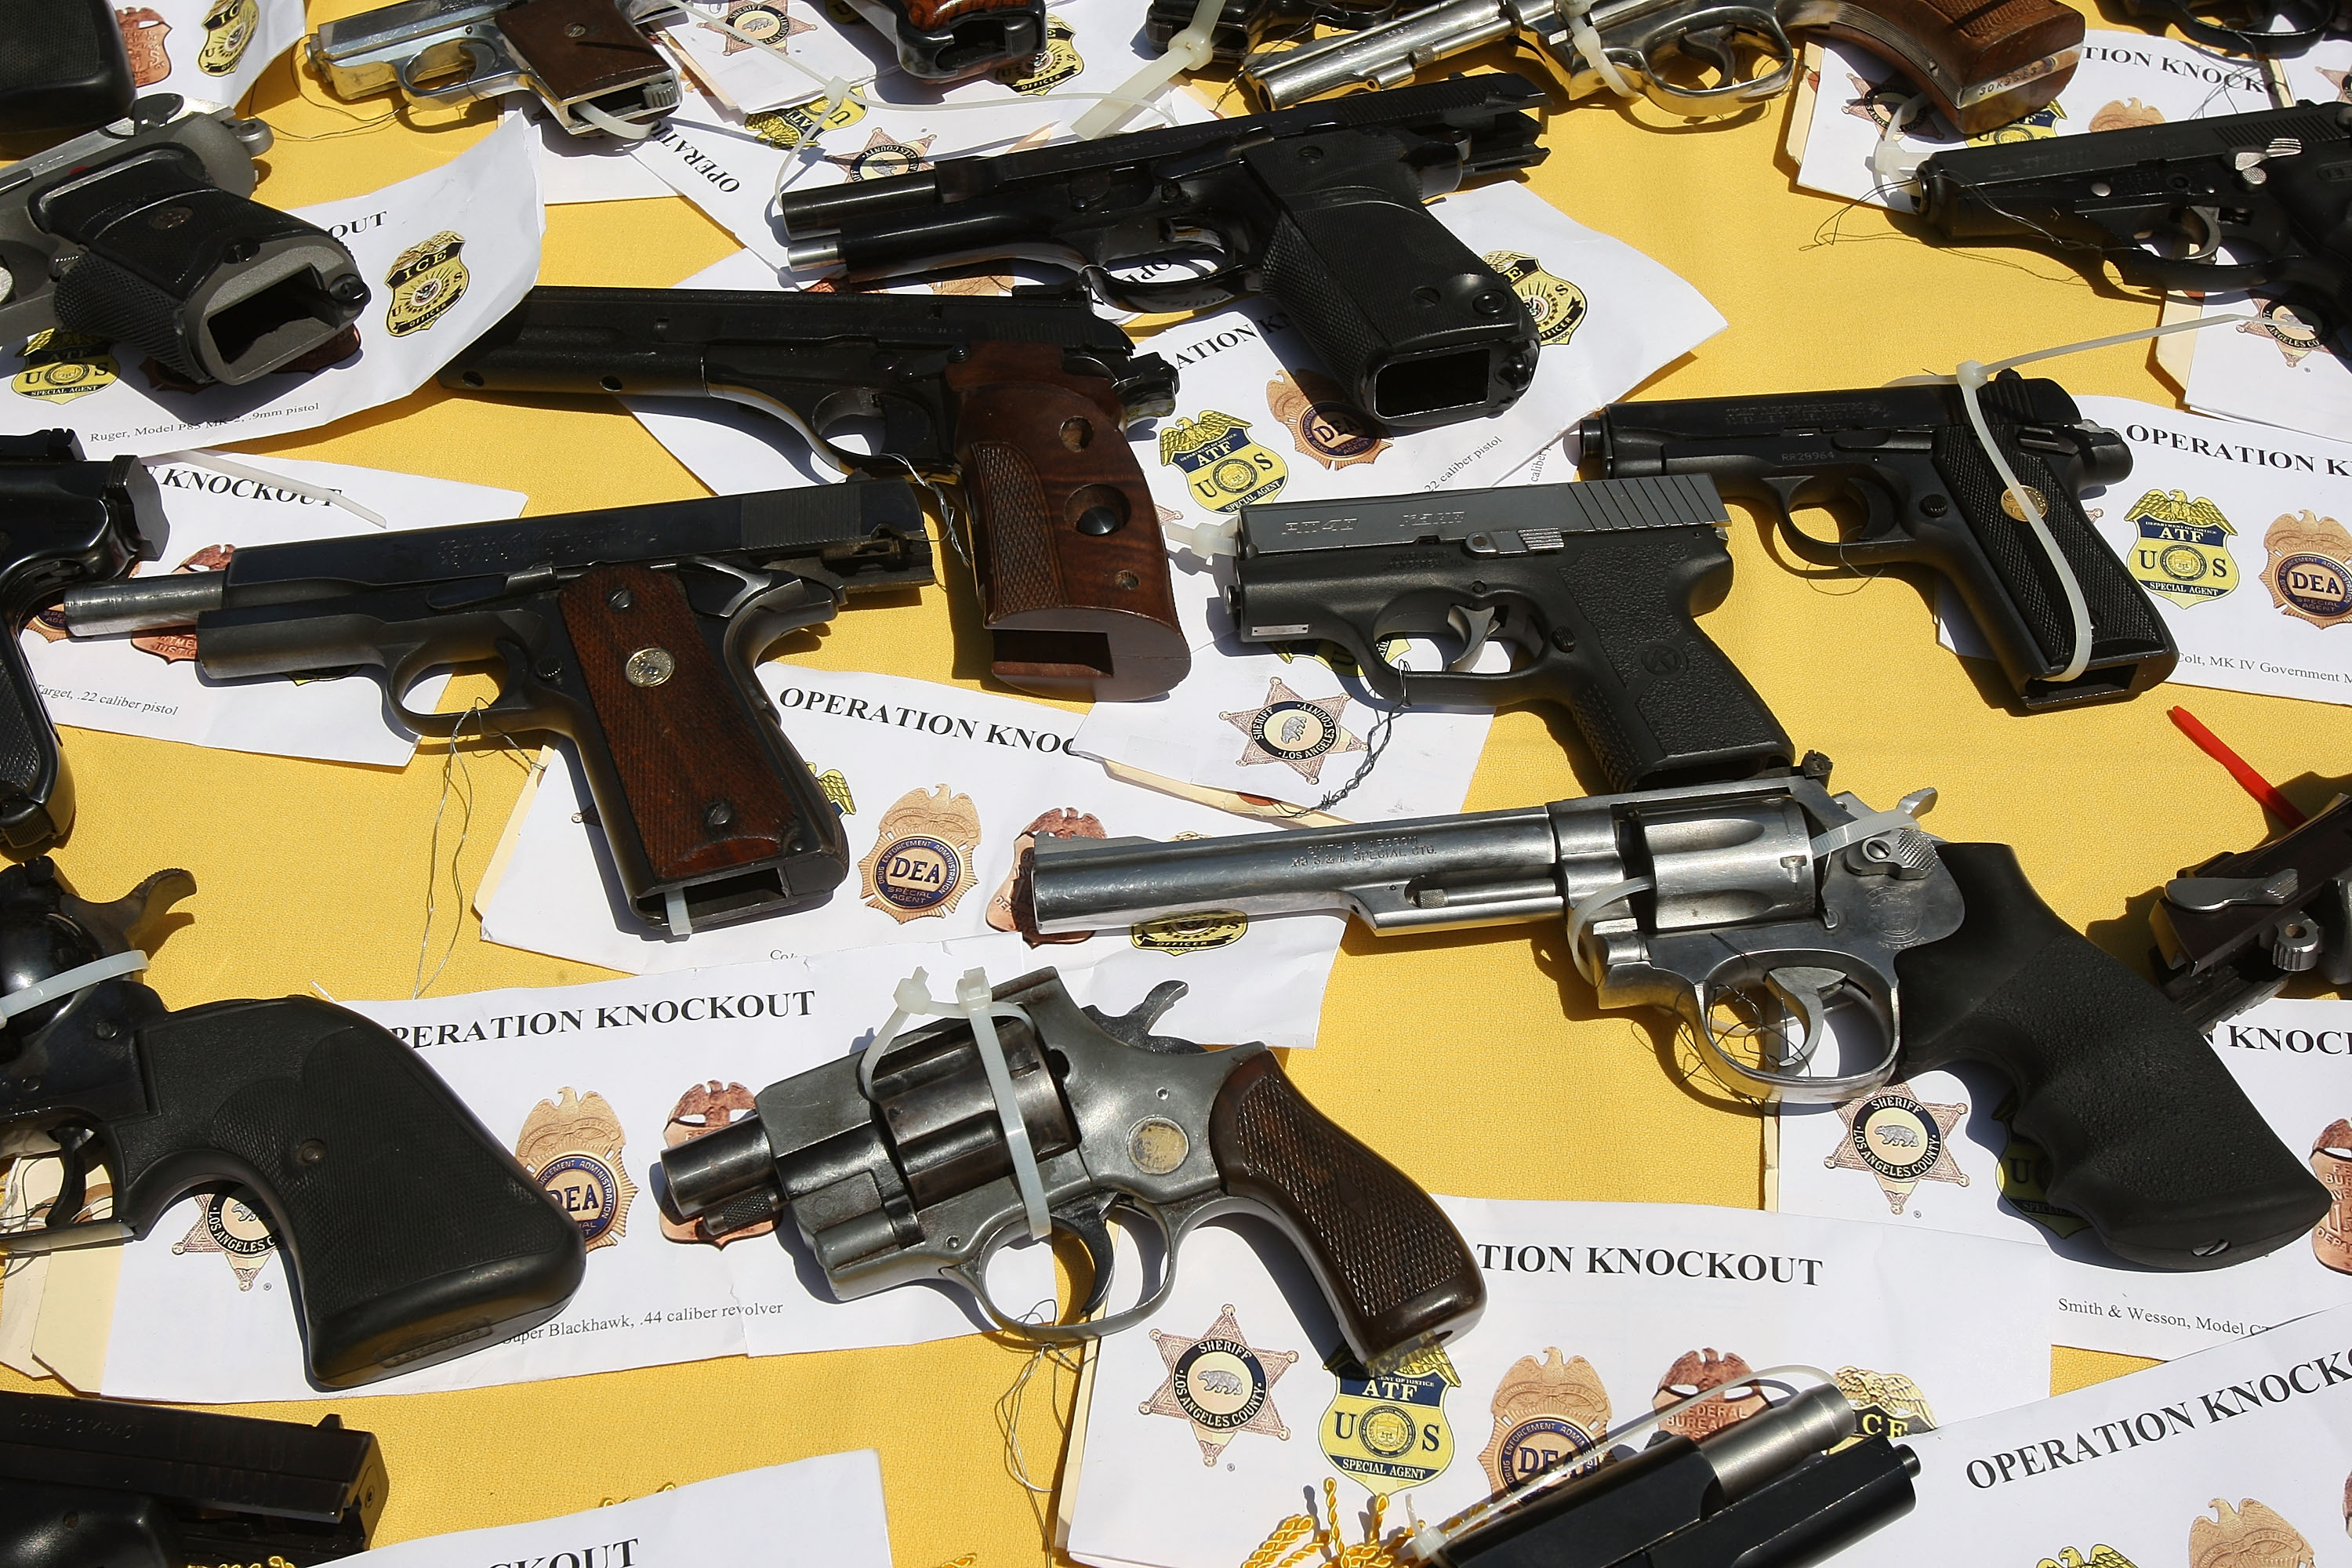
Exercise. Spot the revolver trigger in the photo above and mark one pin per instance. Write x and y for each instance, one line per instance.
(1473, 627)
(1087, 1221)
(1801, 992)
(73, 1187)
(2208, 244)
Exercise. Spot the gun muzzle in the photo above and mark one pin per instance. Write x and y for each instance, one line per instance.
(1380, 57)
(701, 1179)
(149, 604)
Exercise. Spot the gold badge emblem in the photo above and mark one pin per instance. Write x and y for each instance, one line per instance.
(1221, 1383)
(1224, 466)
(804, 123)
(228, 28)
(2041, 124)
(1286, 728)
(1332, 657)
(2024, 1181)
(1899, 1140)
(425, 280)
(2124, 114)
(2295, 340)
(761, 22)
(1323, 423)
(1886, 1404)
(571, 1146)
(2251, 1536)
(2331, 1162)
(883, 156)
(2183, 552)
(1547, 1413)
(1011, 906)
(2100, 1557)
(1203, 931)
(60, 366)
(2307, 570)
(1056, 64)
(144, 34)
(1557, 304)
(921, 860)
(229, 1225)
(1695, 1372)
(702, 1109)
(835, 785)
(1391, 1432)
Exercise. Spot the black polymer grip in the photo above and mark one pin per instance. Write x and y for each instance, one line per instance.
(2149, 1138)
(37, 797)
(412, 1237)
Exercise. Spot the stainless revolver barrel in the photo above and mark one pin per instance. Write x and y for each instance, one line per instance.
(1384, 56)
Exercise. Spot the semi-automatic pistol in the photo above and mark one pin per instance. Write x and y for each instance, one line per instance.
(587, 60)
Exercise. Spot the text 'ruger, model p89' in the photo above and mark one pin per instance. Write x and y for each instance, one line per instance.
(1750, 910)
(900, 1169)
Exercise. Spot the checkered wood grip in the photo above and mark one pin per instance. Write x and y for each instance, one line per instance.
(1984, 63)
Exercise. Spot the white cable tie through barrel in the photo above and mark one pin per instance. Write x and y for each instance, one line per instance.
(612, 124)
(81, 977)
(1885, 169)
(1587, 37)
(1589, 907)
(238, 471)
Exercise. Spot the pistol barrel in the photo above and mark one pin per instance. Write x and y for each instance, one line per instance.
(1380, 57)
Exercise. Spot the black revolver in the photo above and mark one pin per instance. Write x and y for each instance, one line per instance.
(1023, 403)
(2238, 26)
(631, 632)
(412, 1237)
(899, 1170)
(2232, 931)
(101, 1481)
(1594, 584)
(2161, 202)
(1906, 458)
(1320, 208)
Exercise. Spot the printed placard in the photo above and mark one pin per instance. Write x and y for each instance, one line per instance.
(207, 51)
(2274, 370)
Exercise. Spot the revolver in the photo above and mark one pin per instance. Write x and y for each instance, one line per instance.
(1751, 910)
(86, 1481)
(1320, 208)
(1983, 66)
(1594, 584)
(2162, 201)
(1906, 458)
(2233, 931)
(1243, 27)
(410, 1234)
(145, 232)
(1020, 405)
(587, 60)
(905, 1169)
(632, 632)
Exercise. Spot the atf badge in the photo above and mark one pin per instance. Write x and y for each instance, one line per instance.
(702, 1109)
(1221, 1383)
(1899, 1140)
(1391, 1432)
(2307, 572)
(805, 123)
(425, 280)
(921, 860)
(1203, 931)
(1547, 1413)
(1286, 728)
(1886, 1404)
(2331, 1162)
(1557, 304)
(2183, 552)
(1224, 466)
(1697, 1372)
(2100, 1557)
(1323, 423)
(572, 1148)
(1058, 64)
(2037, 126)
(760, 21)
(229, 1225)
(60, 366)
(228, 28)
(2024, 1181)
(2251, 1536)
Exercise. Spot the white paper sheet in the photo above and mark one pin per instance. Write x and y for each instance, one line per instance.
(2231, 1459)
(208, 51)
(149, 686)
(748, 78)
(1594, 1311)
(825, 1509)
(2233, 530)
(926, 770)
(451, 251)
(588, 168)
(2276, 371)
(1979, 1179)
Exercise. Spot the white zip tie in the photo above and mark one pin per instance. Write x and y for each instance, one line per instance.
(612, 124)
(1220, 536)
(1577, 14)
(1870, 825)
(238, 471)
(1186, 51)
(1883, 168)
(81, 977)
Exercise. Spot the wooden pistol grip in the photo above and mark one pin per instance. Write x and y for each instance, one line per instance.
(606, 53)
(1073, 584)
(1983, 63)
(932, 14)
(697, 786)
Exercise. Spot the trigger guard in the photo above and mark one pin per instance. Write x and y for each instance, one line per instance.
(1735, 92)
(511, 700)
(973, 1278)
(1792, 1089)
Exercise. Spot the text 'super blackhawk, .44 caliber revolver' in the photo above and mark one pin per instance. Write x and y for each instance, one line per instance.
(1320, 208)
(1751, 910)
(902, 1169)
(1904, 466)
(1019, 405)
(632, 632)
(1592, 586)
(410, 1234)
(2233, 932)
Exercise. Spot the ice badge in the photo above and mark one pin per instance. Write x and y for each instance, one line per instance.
(1323, 423)
(1221, 1383)
(702, 1109)
(1391, 1432)
(425, 280)
(1899, 1140)
(921, 860)
(2183, 552)
(228, 28)
(2251, 1536)
(1558, 305)
(1547, 1413)
(2306, 571)
(1286, 728)
(1886, 1404)
(571, 1146)
(2331, 1162)
(1224, 466)
(1697, 1372)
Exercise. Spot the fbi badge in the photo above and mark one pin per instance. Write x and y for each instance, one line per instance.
(1697, 1371)
(1012, 907)
(228, 28)
(1899, 1140)
(921, 860)
(1224, 466)
(2251, 1536)
(1323, 423)
(1221, 1383)
(1886, 1404)
(2295, 341)
(760, 22)
(572, 1147)
(2183, 552)
(805, 123)
(229, 1225)
(1202, 930)
(702, 1109)
(425, 280)
(1051, 67)
(2024, 1180)
(1547, 1413)
(2307, 570)
(1391, 1432)
(143, 33)
(1557, 304)
(2331, 1162)
(60, 366)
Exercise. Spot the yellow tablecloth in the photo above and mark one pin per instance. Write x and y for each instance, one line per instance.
(1478, 1063)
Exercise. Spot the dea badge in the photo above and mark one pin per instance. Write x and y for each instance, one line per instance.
(425, 280)
(60, 366)
(229, 1225)
(921, 860)
(1203, 931)
(1547, 1413)
(1323, 423)
(1558, 305)
(1286, 728)
(2100, 1557)
(144, 34)
(2331, 1162)
(702, 1109)
(2251, 1536)
(1224, 466)
(804, 123)
(760, 21)
(2295, 340)
(1899, 1140)
(1697, 1372)
(1392, 1430)
(2024, 1180)
(572, 1147)
(1056, 64)
(1886, 1404)
(2183, 552)
(2307, 572)
(228, 28)
(1221, 1383)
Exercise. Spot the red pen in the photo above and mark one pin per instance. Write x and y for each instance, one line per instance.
(2254, 784)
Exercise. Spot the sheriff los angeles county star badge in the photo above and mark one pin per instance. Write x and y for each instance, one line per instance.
(1898, 1140)
(1288, 727)
(1221, 1383)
